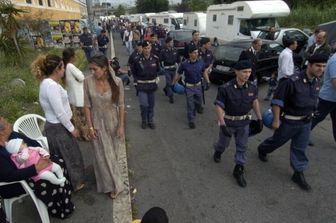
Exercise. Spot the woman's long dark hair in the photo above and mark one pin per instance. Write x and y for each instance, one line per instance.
(68, 53)
(102, 62)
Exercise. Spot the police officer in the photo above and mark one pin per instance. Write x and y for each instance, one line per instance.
(169, 58)
(102, 41)
(234, 101)
(294, 103)
(156, 47)
(193, 69)
(146, 70)
(195, 43)
(206, 54)
(86, 42)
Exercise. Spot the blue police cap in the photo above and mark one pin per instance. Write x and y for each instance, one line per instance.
(318, 58)
(242, 64)
(169, 39)
(145, 44)
(205, 40)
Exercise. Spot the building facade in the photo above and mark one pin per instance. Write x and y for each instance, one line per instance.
(52, 9)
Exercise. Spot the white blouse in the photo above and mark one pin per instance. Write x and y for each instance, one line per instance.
(74, 85)
(55, 104)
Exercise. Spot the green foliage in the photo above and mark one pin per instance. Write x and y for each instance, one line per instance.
(17, 101)
(199, 5)
(152, 5)
(309, 16)
(120, 11)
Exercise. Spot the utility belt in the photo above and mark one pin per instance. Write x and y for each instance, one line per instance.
(169, 67)
(103, 47)
(305, 118)
(156, 81)
(87, 46)
(238, 118)
(193, 85)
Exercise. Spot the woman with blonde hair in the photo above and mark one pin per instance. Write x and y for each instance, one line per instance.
(60, 132)
(105, 114)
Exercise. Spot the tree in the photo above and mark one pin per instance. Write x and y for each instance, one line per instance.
(120, 11)
(9, 27)
(199, 5)
(151, 5)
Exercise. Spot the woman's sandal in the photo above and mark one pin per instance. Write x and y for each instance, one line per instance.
(79, 188)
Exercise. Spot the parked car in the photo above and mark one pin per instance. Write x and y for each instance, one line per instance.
(280, 34)
(181, 37)
(227, 55)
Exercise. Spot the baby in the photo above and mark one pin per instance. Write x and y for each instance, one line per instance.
(24, 156)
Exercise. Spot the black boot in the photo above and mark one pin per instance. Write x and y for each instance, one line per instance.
(199, 109)
(217, 156)
(262, 156)
(171, 100)
(300, 180)
(238, 173)
(144, 112)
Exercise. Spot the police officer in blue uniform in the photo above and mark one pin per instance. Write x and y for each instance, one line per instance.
(193, 69)
(169, 58)
(294, 103)
(234, 101)
(156, 47)
(102, 41)
(146, 70)
(206, 54)
(86, 42)
(194, 43)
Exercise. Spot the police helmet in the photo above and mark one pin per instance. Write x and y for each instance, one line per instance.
(267, 118)
(179, 88)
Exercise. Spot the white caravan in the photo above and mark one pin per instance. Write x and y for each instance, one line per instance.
(242, 19)
(195, 21)
(137, 18)
(170, 21)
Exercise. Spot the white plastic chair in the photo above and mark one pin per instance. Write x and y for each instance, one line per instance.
(41, 207)
(29, 126)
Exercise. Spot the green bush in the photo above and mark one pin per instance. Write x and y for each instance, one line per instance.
(309, 16)
(17, 101)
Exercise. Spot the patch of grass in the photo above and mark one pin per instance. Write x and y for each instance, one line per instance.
(16, 101)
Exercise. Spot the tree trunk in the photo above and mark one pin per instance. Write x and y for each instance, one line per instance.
(17, 46)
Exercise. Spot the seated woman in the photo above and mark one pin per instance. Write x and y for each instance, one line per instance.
(55, 197)
(121, 73)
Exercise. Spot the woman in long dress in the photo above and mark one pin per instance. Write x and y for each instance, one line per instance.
(60, 131)
(105, 114)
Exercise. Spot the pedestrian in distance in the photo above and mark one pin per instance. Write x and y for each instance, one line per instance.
(294, 103)
(74, 79)
(272, 84)
(87, 43)
(155, 44)
(128, 39)
(102, 41)
(59, 130)
(251, 55)
(146, 69)
(234, 101)
(105, 116)
(327, 97)
(134, 57)
(206, 54)
(286, 59)
(169, 59)
(193, 70)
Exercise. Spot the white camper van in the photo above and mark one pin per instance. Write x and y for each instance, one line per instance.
(242, 19)
(170, 21)
(195, 21)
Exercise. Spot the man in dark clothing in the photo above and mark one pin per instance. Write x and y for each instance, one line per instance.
(102, 41)
(294, 103)
(319, 47)
(251, 55)
(195, 42)
(86, 42)
(156, 47)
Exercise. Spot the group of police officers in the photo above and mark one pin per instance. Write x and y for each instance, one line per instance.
(293, 104)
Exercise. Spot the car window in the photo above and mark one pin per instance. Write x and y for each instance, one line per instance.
(230, 53)
(270, 50)
(183, 35)
(296, 34)
(263, 34)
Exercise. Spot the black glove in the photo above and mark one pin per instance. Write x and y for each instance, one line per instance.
(261, 124)
(206, 86)
(226, 131)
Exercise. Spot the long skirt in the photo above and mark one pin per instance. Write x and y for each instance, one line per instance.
(62, 143)
(56, 198)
